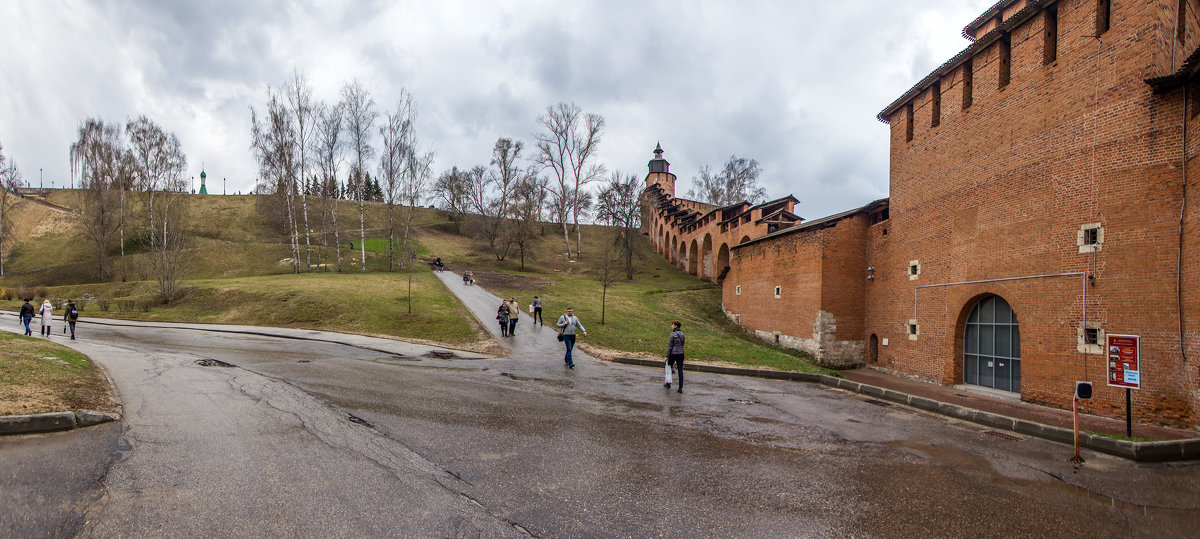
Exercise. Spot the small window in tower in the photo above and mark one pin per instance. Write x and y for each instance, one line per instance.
(1050, 35)
(1005, 48)
(737, 290)
(1090, 238)
(1091, 336)
(936, 104)
(1103, 16)
(968, 74)
(778, 292)
(908, 122)
(913, 329)
(914, 269)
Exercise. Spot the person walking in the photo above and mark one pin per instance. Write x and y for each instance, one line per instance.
(514, 312)
(502, 315)
(70, 316)
(537, 311)
(570, 326)
(47, 312)
(675, 353)
(27, 315)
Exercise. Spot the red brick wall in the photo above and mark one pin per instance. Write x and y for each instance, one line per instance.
(999, 190)
(821, 272)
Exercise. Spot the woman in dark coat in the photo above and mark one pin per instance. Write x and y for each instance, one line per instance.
(502, 315)
(675, 352)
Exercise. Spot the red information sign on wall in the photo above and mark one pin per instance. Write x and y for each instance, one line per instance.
(1124, 356)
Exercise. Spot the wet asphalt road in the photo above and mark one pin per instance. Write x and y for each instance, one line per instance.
(517, 445)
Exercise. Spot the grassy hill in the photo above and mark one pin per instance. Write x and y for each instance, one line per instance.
(242, 273)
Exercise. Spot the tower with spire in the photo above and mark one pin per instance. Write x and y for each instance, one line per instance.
(203, 188)
(660, 172)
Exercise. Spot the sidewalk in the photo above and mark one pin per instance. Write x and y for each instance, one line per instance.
(1018, 410)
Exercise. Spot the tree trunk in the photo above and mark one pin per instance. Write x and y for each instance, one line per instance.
(337, 236)
(307, 244)
(603, 302)
(566, 237)
(362, 228)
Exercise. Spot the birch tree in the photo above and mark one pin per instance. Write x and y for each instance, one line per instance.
(299, 95)
(396, 143)
(360, 117)
(274, 146)
(330, 146)
(567, 146)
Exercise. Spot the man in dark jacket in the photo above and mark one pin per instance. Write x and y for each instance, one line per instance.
(27, 315)
(675, 352)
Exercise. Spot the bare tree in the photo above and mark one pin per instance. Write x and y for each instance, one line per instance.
(397, 148)
(618, 205)
(493, 192)
(274, 146)
(98, 156)
(329, 154)
(360, 117)
(567, 146)
(737, 182)
(159, 169)
(299, 95)
(607, 275)
(451, 189)
(10, 179)
(529, 196)
(417, 172)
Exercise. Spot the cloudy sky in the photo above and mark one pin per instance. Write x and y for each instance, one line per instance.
(795, 85)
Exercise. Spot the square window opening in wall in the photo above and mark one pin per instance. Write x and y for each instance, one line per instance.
(1090, 238)
(913, 330)
(914, 269)
(778, 292)
(1090, 338)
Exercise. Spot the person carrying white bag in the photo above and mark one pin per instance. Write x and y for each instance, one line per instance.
(674, 355)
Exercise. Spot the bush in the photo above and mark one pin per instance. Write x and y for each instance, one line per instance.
(42, 292)
(103, 303)
(81, 303)
(24, 293)
(125, 305)
(145, 304)
(57, 303)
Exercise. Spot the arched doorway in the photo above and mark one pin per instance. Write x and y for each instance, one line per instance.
(706, 261)
(691, 264)
(873, 350)
(722, 261)
(992, 346)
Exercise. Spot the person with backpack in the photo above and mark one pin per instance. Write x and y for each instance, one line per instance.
(71, 316)
(570, 326)
(675, 354)
(27, 315)
(47, 312)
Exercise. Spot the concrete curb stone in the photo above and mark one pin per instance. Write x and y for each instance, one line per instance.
(53, 421)
(1168, 451)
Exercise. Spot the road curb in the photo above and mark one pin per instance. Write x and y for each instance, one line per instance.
(1168, 451)
(53, 421)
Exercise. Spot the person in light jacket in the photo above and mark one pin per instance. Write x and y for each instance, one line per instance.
(675, 352)
(47, 312)
(570, 326)
(514, 312)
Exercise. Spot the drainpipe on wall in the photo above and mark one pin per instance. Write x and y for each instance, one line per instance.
(1187, 85)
